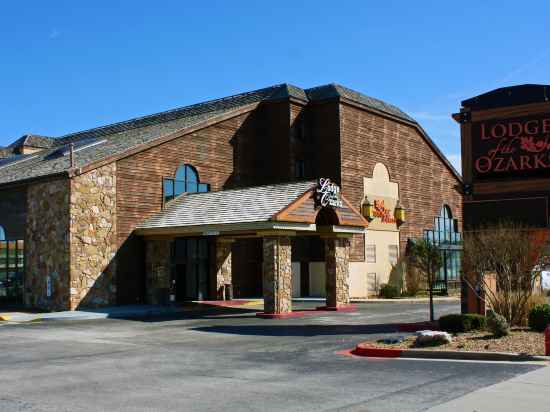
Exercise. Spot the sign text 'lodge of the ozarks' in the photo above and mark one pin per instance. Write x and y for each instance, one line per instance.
(328, 193)
(511, 146)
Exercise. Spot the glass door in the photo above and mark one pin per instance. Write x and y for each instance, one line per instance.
(191, 264)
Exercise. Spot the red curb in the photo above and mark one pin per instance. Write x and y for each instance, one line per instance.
(339, 308)
(365, 349)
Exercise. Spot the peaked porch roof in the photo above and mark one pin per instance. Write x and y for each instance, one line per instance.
(287, 207)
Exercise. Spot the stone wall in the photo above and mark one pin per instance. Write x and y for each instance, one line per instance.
(277, 275)
(93, 241)
(157, 270)
(47, 273)
(337, 252)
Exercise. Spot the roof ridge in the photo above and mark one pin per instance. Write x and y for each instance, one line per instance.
(136, 122)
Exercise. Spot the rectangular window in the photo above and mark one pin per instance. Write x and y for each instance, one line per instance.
(168, 187)
(372, 283)
(393, 251)
(370, 254)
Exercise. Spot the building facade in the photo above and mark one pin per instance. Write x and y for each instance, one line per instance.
(87, 205)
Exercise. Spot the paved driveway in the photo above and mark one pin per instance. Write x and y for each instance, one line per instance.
(227, 361)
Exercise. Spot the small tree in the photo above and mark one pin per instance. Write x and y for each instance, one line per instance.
(426, 258)
(502, 264)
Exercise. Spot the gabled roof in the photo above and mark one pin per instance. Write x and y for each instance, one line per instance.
(269, 207)
(34, 140)
(333, 90)
(120, 138)
(251, 204)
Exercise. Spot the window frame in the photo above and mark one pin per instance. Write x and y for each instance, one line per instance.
(367, 255)
(173, 182)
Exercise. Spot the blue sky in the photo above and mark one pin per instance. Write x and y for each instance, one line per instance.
(67, 66)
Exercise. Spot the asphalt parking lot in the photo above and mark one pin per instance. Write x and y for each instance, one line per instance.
(228, 360)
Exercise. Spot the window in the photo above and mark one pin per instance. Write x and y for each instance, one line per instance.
(448, 239)
(393, 252)
(370, 253)
(299, 169)
(185, 181)
(2, 233)
(372, 284)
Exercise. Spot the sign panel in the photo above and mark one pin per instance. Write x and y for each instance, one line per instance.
(328, 194)
(384, 213)
(511, 147)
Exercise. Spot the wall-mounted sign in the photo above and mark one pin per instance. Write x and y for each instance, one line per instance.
(384, 213)
(519, 146)
(328, 194)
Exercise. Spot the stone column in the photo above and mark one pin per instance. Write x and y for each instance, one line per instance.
(277, 275)
(337, 268)
(223, 266)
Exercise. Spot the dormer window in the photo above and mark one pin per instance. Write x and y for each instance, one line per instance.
(186, 180)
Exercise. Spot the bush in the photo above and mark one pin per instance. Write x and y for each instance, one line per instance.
(539, 317)
(451, 323)
(497, 325)
(462, 323)
(475, 321)
(389, 291)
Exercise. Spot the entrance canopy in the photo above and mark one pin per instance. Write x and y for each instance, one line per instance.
(258, 211)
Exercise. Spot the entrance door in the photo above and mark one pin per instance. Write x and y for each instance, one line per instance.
(190, 258)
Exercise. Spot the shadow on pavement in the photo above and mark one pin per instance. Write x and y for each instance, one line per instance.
(314, 330)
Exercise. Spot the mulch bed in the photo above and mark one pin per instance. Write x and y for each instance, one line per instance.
(520, 340)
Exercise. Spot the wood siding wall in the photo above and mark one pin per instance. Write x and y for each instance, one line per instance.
(140, 189)
(425, 182)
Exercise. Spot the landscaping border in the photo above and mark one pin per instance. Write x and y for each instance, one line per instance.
(366, 349)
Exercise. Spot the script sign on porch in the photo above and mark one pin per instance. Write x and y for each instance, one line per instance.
(328, 193)
(506, 147)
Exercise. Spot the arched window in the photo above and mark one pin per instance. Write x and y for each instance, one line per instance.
(2, 233)
(186, 181)
(447, 237)
(446, 226)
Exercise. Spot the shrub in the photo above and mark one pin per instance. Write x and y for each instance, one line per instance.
(475, 321)
(451, 323)
(497, 325)
(533, 301)
(389, 291)
(462, 323)
(539, 317)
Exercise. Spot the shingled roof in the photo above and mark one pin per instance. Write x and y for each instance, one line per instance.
(121, 137)
(247, 205)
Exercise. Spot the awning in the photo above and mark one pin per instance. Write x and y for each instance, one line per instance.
(254, 211)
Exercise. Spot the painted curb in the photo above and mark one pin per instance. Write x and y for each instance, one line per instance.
(368, 350)
(5, 318)
(301, 313)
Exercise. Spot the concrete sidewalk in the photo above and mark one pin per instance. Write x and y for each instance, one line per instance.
(127, 311)
(529, 392)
